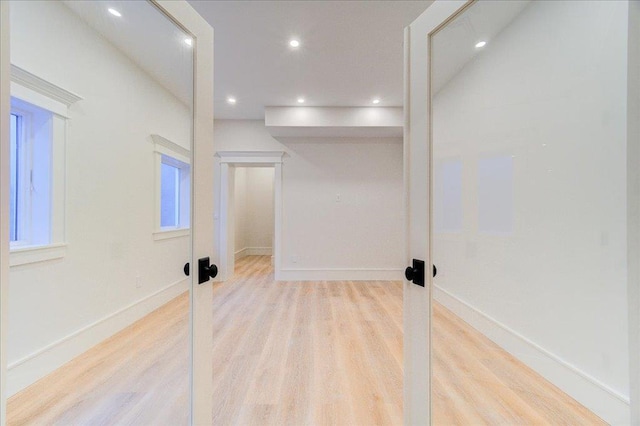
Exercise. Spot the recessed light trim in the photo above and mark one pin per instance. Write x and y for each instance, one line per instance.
(375, 101)
(481, 44)
(231, 100)
(188, 41)
(114, 12)
(294, 43)
(301, 100)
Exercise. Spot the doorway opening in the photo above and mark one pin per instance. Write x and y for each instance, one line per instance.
(250, 208)
(251, 220)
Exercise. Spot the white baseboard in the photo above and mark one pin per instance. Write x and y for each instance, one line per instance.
(610, 405)
(253, 251)
(38, 364)
(339, 274)
(240, 254)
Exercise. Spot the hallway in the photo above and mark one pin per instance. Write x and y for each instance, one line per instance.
(306, 352)
(293, 353)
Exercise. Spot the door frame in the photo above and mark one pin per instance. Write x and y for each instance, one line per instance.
(5, 110)
(228, 160)
(417, 200)
(201, 314)
(417, 140)
(633, 207)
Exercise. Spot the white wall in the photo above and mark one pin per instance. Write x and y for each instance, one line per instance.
(253, 211)
(60, 308)
(358, 237)
(537, 258)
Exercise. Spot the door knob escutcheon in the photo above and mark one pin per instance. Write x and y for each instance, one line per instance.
(206, 270)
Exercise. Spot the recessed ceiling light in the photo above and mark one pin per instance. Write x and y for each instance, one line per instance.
(376, 101)
(300, 100)
(188, 41)
(480, 44)
(231, 100)
(294, 43)
(114, 12)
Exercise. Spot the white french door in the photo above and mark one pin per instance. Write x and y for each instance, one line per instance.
(417, 166)
(106, 113)
(521, 152)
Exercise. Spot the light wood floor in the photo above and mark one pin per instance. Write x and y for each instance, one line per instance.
(292, 354)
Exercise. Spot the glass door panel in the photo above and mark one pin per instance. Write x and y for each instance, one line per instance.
(102, 96)
(529, 213)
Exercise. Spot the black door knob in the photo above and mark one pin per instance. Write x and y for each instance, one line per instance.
(212, 271)
(410, 273)
(186, 269)
(435, 270)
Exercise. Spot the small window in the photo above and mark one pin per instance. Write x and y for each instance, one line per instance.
(30, 204)
(173, 189)
(14, 197)
(174, 193)
(38, 123)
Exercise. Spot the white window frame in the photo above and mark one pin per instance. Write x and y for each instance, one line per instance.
(170, 153)
(23, 216)
(33, 90)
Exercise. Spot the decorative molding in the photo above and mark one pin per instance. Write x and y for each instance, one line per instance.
(42, 86)
(339, 274)
(319, 133)
(604, 401)
(27, 255)
(167, 147)
(251, 157)
(29, 369)
(171, 233)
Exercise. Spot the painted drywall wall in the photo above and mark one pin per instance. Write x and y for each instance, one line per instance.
(254, 211)
(114, 272)
(342, 202)
(530, 215)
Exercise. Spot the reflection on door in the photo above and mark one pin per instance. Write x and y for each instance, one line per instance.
(529, 235)
(101, 104)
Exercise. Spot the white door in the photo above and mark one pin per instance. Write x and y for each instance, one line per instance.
(107, 192)
(417, 298)
(521, 145)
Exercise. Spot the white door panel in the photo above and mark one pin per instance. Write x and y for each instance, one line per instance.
(112, 114)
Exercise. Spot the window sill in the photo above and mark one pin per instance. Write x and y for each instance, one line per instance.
(34, 254)
(171, 233)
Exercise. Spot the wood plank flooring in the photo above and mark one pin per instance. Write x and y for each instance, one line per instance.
(136, 377)
(326, 353)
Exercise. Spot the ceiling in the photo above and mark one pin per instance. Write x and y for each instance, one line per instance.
(351, 52)
(147, 37)
(454, 45)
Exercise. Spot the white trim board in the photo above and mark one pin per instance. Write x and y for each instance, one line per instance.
(607, 403)
(29, 369)
(28, 255)
(340, 274)
(32, 88)
(165, 146)
(264, 158)
(253, 251)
